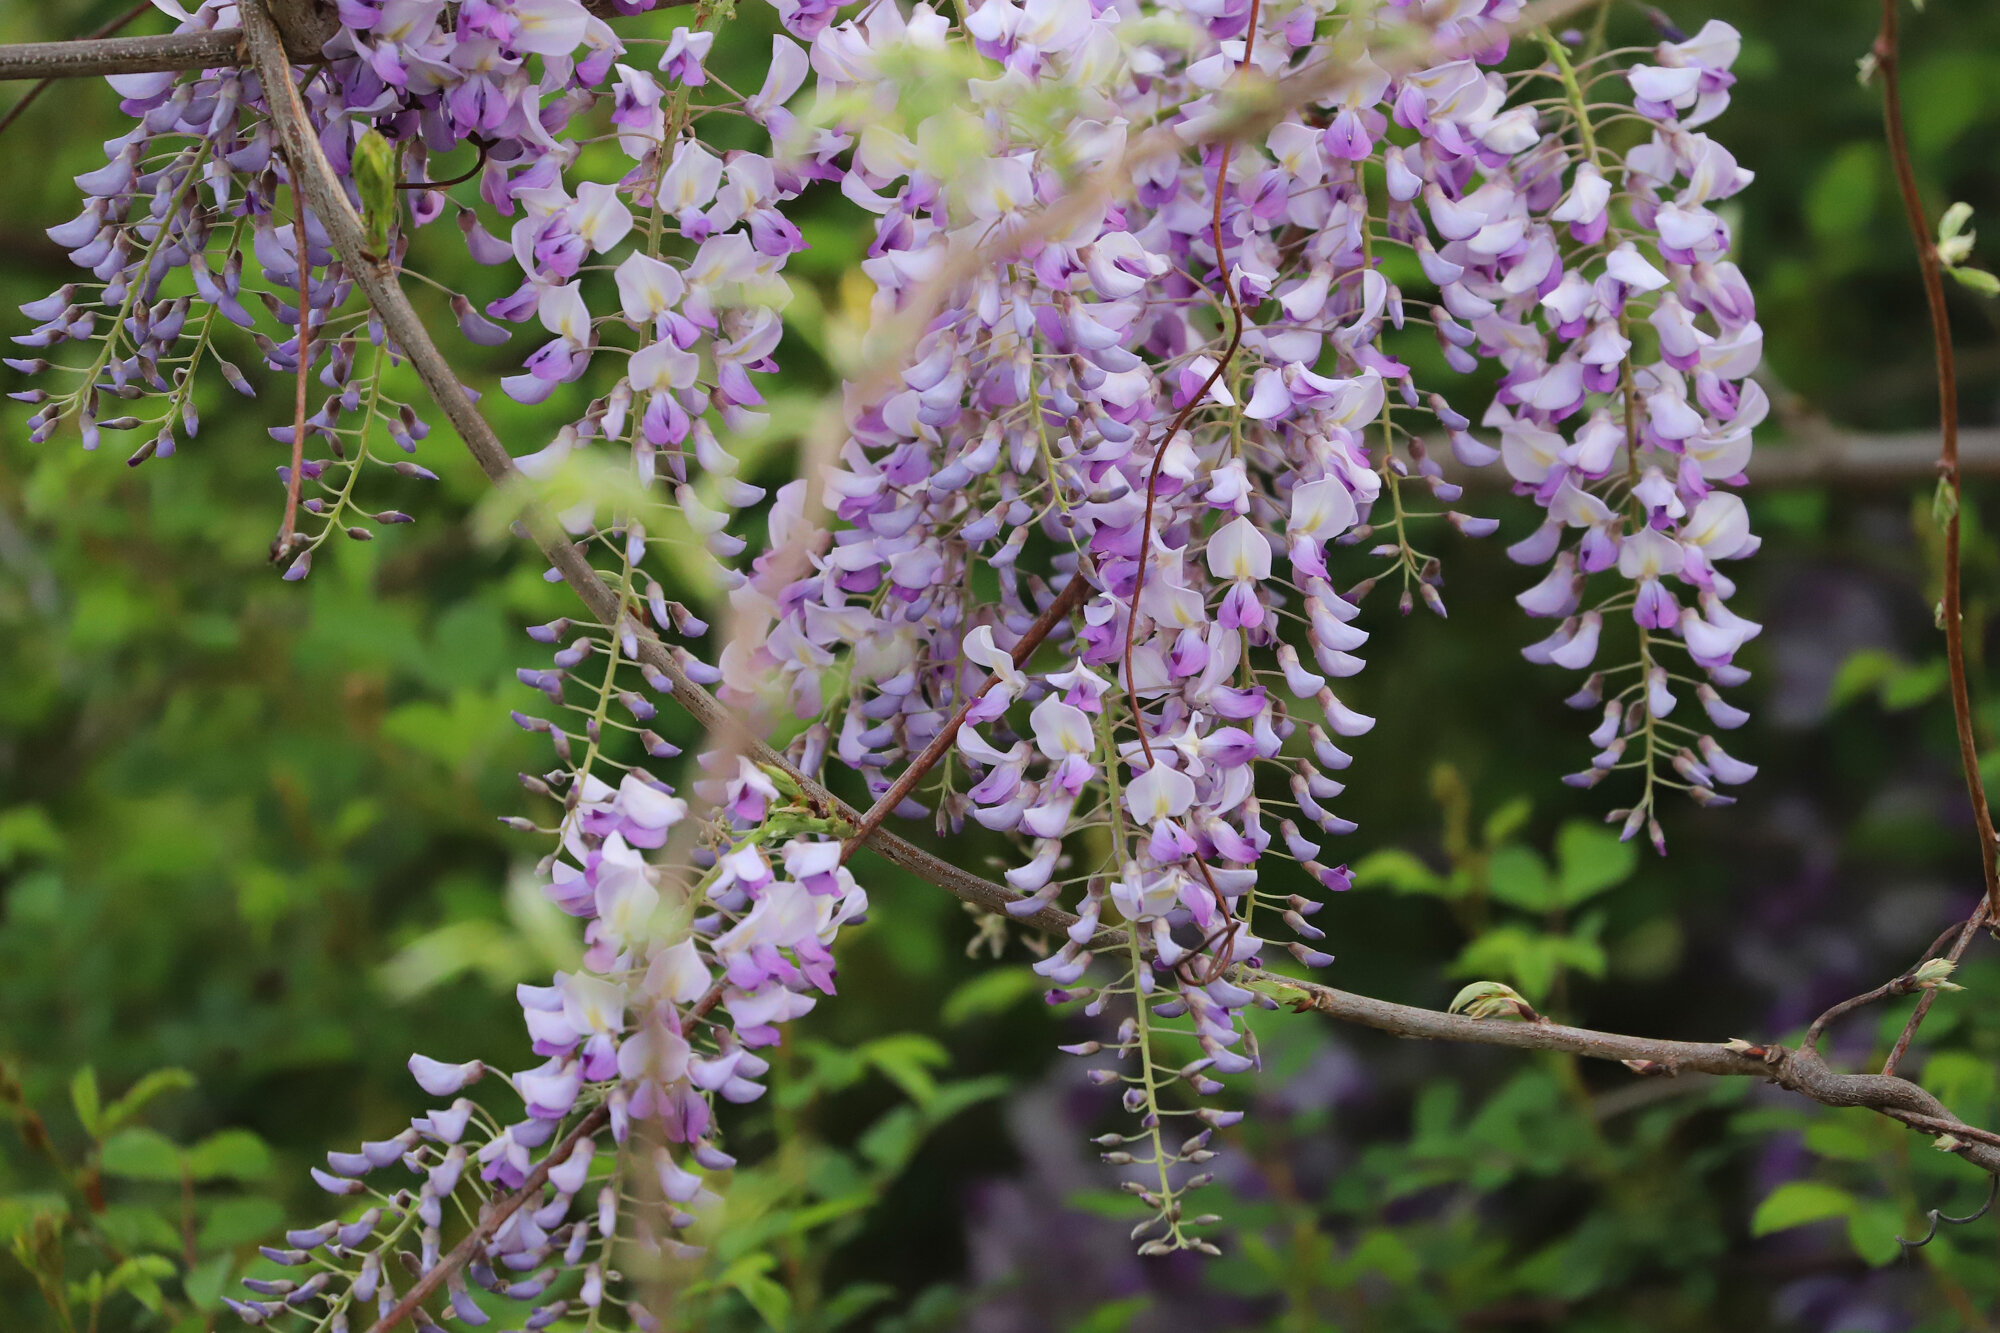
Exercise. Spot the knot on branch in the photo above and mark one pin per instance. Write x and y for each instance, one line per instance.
(306, 25)
(1803, 1071)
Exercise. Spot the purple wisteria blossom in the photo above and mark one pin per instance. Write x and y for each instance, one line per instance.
(1186, 407)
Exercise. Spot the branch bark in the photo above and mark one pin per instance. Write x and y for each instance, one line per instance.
(121, 55)
(307, 25)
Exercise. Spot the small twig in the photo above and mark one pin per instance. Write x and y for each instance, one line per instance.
(1965, 934)
(1887, 56)
(1883, 992)
(1057, 611)
(1901, 984)
(1933, 1124)
(1938, 1216)
(493, 1216)
(28, 98)
(484, 145)
(282, 547)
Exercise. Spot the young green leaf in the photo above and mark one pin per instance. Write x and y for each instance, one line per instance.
(233, 1154)
(375, 180)
(141, 1154)
(1799, 1202)
(136, 1098)
(83, 1096)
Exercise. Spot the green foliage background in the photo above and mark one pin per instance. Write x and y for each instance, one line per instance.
(247, 830)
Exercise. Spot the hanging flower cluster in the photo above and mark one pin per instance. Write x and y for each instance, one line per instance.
(1643, 343)
(1184, 396)
(685, 976)
(1092, 520)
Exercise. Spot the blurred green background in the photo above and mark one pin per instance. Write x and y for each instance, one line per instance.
(247, 830)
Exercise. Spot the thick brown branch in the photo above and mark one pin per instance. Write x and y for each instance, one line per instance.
(121, 55)
(1801, 1071)
(307, 26)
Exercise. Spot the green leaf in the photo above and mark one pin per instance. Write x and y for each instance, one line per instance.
(853, 1301)
(233, 1222)
(155, 1084)
(1520, 878)
(1841, 201)
(1589, 860)
(993, 991)
(132, 1226)
(20, 1214)
(906, 1060)
(1395, 869)
(1912, 686)
(83, 1096)
(772, 1302)
(1896, 683)
(141, 1276)
(1962, 1081)
(206, 1281)
(1113, 1316)
(1383, 1250)
(1862, 673)
(891, 1141)
(1843, 1139)
(1976, 280)
(1945, 93)
(1872, 1230)
(233, 1154)
(1532, 958)
(141, 1154)
(1798, 1202)
(1944, 504)
(1506, 821)
(1100, 1203)
(27, 830)
(373, 168)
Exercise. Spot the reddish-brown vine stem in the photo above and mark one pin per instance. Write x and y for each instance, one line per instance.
(1227, 932)
(282, 547)
(1887, 56)
(1057, 611)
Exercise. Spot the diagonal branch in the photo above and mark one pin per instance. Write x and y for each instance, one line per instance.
(493, 1216)
(1058, 611)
